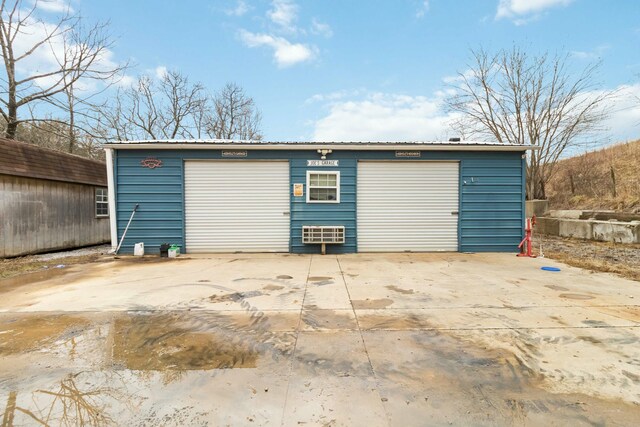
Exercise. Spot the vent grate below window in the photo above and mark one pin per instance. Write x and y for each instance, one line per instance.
(317, 234)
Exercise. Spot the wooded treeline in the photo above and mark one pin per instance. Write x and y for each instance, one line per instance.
(61, 89)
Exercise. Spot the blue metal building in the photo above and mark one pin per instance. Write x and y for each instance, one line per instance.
(240, 196)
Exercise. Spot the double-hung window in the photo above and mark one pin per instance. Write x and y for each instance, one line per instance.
(323, 187)
(102, 202)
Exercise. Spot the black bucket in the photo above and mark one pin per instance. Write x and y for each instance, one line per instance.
(164, 250)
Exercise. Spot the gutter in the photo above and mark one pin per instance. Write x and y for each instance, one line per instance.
(318, 146)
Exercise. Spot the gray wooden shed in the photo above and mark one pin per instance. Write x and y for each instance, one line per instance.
(50, 200)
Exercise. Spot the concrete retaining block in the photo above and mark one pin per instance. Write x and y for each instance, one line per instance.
(536, 207)
(578, 229)
(546, 225)
(566, 214)
(614, 231)
(603, 231)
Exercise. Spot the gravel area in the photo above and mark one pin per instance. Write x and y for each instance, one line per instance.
(91, 250)
(11, 267)
(596, 256)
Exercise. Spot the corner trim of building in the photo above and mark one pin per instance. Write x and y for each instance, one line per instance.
(111, 192)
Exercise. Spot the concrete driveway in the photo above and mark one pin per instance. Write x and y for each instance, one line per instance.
(372, 340)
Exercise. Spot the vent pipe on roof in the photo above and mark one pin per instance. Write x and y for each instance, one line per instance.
(454, 139)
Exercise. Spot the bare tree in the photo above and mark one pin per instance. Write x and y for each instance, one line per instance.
(25, 38)
(154, 109)
(235, 115)
(512, 97)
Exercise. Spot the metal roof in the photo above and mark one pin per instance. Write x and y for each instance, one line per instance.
(311, 145)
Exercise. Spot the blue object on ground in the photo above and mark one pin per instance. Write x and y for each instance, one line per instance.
(550, 268)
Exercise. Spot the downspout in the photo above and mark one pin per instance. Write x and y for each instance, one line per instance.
(111, 192)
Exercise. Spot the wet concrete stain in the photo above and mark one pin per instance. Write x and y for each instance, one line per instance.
(235, 296)
(272, 287)
(458, 382)
(321, 280)
(164, 342)
(556, 287)
(576, 296)
(28, 333)
(400, 290)
(30, 278)
(328, 319)
(371, 303)
(394, 322)
(284, 277)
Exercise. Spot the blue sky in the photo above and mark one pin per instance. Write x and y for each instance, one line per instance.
(368, 70)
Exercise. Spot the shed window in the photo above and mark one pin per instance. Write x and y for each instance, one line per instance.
(102, 203)
(323, 187)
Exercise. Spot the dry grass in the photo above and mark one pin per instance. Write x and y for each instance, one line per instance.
(16, 266)
(596, 265)
(607, 257)
(593, 186)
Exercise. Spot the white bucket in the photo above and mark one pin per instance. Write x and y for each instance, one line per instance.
(173, 253)
(138, 249)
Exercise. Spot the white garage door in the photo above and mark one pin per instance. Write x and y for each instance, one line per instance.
(233, 206)
(407, 206)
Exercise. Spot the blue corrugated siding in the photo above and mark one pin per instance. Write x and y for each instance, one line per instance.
(343, 213)
(491, 203)
(491, 197)
(158, 192)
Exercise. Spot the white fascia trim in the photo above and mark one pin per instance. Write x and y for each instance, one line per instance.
(307, 147)
(111, 194)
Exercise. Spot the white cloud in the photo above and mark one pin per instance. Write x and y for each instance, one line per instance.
(160, 72)
(285, 53)
(423, 9)
(55, 6)
(384, 117)
(592, 54)
(393, 117)
(624, 122)
(321, 28)
(522, 11)
(284, 13)
(332, 96)
(240, 9)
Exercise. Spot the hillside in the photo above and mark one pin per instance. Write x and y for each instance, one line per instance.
(604, 179)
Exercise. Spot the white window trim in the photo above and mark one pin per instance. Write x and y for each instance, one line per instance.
(337, 187)
(95, 202)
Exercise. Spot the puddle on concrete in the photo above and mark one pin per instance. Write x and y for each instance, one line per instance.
(284, 277)
(576, 296)
(30, 333)
(235, 296)
(371, 303)
(556, 287)
(272, 287)
(163, 342)
(400, 290)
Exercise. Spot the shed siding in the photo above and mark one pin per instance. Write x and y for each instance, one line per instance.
(491, 196)
(39, 215)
